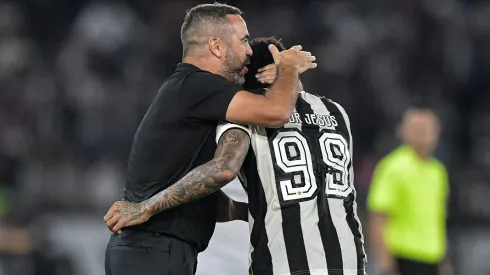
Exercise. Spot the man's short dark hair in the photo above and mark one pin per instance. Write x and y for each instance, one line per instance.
(261, 57)
(204, 21)
(421, 105)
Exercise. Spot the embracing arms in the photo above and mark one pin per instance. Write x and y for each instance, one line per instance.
(198, 183)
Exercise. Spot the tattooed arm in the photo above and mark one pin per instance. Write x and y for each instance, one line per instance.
(198, 183)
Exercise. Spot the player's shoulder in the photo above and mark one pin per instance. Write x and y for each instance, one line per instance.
(396, 160)
(439, 165)
(306, 95)
(390, 164)
(331, 105)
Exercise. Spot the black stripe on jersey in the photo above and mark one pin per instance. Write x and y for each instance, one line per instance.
(328, 232)
(293, 237)
(291, 224)
(354, 227)
(349, 201)
(261, 256)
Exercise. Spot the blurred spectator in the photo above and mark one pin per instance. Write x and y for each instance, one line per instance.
(407, 202)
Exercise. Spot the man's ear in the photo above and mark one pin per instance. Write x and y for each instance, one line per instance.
(216, 46)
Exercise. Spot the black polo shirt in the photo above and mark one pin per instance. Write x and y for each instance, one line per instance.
(176, 135)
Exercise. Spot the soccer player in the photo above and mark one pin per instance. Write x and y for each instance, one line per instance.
(299, 180)
(407, 201)
(177, 136)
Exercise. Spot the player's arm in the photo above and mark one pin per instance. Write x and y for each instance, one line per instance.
(198, 183)
(273, 108)
(212, 98)
(377, 225)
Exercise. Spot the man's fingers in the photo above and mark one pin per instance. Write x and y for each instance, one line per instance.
(266, 73)
(297, 47)
(119, 225)
(112, 221)
(312, 58)
(268, 68)
(266, 77)
(108, 216)
(305, 53)
(275, 53)
(110, 213)
(268, 80)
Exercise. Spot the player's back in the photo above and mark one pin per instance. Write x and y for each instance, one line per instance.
(301, 194)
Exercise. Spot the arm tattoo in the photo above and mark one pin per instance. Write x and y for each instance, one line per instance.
(207, 178)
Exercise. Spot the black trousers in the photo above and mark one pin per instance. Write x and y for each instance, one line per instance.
(144, 253)
(410, 267)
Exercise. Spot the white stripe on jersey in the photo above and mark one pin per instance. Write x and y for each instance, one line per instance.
(336, 206)
(251, 222)
(351, 145)
(315, 252)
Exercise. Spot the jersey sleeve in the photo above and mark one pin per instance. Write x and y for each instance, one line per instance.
(208, 96)
(383, 193)
(225, 126)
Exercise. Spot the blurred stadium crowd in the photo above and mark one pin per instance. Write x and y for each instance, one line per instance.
(77, 76)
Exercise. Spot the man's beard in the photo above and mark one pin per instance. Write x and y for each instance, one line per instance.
(233, 67)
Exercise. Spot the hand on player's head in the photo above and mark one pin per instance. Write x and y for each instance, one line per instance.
(123, 214)
(267, 74)
(262, 70)
(302, 60)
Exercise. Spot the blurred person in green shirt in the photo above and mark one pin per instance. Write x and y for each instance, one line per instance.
(407, 202)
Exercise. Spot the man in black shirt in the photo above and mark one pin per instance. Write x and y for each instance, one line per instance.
(177, 135)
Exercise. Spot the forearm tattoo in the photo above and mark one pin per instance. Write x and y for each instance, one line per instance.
(207, 178)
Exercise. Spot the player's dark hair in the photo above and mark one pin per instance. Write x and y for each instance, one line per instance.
(203, 21)
(423, 104)
(261, 57)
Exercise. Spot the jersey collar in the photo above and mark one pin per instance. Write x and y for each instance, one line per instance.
(187, 67)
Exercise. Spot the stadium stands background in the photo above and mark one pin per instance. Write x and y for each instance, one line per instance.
(77, 76)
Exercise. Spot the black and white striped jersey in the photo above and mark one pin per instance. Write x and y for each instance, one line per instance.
(302, 201)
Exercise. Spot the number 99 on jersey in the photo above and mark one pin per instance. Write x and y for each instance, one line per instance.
(293, 156)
